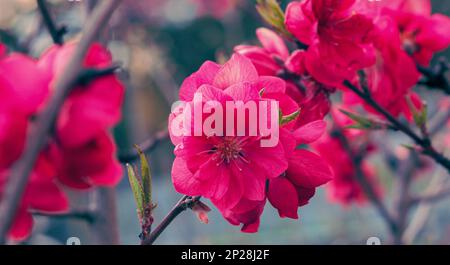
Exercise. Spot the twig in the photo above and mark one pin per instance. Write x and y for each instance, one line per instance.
(183, 204)
(425, 143)
(440, 123)
(36, 139)
(430, 197)
(435, 76)
(86, 215)
(147, 146)
(356, 160)
(56, 33)
(423, 212)
(106, 225)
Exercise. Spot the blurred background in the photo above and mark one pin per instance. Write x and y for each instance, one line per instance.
(159, 43)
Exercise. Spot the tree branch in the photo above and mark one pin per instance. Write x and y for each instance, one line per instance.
(56, 33)
(371, 194)
(147, 146)
(183, 204)
(425, 143)
(36, 139)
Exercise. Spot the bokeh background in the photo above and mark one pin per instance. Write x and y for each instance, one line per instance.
(159, 43)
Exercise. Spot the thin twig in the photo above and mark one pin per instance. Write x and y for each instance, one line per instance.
(183, 204)
(367, 187)
(435, 76)
(56, 33)
(439, 194)
(425, 143)
(85, 215)
(36, 139)
(147, 146)
(422, 214)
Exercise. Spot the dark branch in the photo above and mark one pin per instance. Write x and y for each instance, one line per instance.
(56, 33)
(182, 205)
(147, 146)
(425, 143)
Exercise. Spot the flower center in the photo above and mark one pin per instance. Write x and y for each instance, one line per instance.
(229, 150)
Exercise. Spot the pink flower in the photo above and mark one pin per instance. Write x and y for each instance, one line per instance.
(338, 39)
(306, 172)
(93, 164)
(269, 59)
(422, 34)
(23, 87)
(393, 76)
(84, 148)
(226, 169)
(233, 171)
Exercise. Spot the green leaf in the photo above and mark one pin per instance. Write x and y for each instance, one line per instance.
(288, 118)
(420, 116)
(271, 12)
(146, 177)
(362, 123)
(138, 192)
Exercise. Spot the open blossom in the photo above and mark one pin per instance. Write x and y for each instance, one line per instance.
(338, 39)
(23, 87)
(345, 187)
(84, 148)
(233, 171)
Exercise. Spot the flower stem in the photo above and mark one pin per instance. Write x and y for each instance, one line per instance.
(183, 204)
(425, 142)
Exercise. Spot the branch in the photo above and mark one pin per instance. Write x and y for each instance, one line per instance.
(85, 215)
(183, 204)
(425, 143)
(56, 33)
(435, 76)
(147, 146)
(431, 197)
(36, 139)
(365, 184)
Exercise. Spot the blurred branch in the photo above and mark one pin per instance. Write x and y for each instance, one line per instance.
(89, 74)
(56, 33)
(425, 142)
(433, 196)
(86, 215)
(105, 225)
(182, 205)
(36, 139)
(147, 146)
(439, 123)
(367, 187)
(419, 220)
(434, 77)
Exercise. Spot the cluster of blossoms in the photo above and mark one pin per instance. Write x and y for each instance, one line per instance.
(375, 43)
(80, 153)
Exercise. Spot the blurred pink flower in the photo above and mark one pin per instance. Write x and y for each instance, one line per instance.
(23, 87)
(84, 120)
(337, 40)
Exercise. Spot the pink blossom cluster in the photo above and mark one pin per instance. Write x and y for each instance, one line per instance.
(377, 43)
(80, 153)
